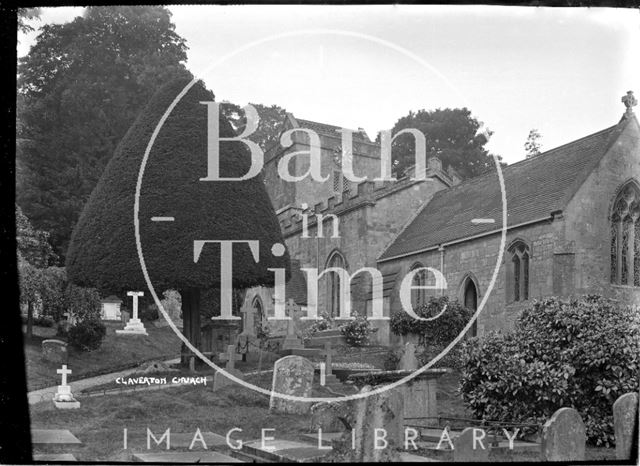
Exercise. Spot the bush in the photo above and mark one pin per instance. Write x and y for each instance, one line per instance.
(391, 361)
(87, 335)
(356, 332)
(149, 313)
(324, 323)
(43, 321)
(83, 303)
(581, 353)
(438, 332)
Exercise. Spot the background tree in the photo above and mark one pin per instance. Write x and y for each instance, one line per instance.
(27, 14)
(33, 245)
(269, 127)
(80, 88)
(533, 146)
(29, 278)
(451, 134)
(103, 250)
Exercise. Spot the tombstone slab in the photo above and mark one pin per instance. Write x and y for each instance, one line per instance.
(184, 457)
(625, 424)
(54, 457)
(330, 417)
(220, 379)
(55, 351)
(466, 448)
(292, 375)
(53, 437)
(563, 437)
(408, 360)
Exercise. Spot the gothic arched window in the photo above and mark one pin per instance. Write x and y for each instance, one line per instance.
(418, 296)
(625, 237)
(518, 272)
(335, 293)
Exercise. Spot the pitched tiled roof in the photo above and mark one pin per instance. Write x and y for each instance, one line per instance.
(534, 187)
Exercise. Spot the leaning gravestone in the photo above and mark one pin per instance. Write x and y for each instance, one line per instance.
(330, 417)
(625, 424)
(55, 351)
(292, 375)
(470, 449)
(563, 437)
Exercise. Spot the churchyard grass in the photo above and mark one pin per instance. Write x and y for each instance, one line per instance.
(116, 353)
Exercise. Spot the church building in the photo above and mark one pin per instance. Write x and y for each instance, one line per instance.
(572, 227)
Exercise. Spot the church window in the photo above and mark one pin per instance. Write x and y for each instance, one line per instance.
(337, 181)
(418, 296)
(335, 291)
(518, 272)
(625, 237)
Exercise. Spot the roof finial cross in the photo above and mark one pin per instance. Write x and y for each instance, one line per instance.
(629, 101)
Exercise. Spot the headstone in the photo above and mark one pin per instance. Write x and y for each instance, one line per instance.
(374, 416)
(230, 357)
(328, 353)
(247, 339)
(55, 351)
(134, 325)
(63, 399)
(625, 424)
(471, 446)
(292, 375)
(62, 437)
(330, 417)
(563, 437)
(156, 366)
(408, 361)
(110, 308)
(292, 341)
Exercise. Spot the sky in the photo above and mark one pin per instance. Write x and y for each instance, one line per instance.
(562, 71)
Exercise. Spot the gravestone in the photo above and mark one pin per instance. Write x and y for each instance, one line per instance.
(292, 375)
(219, 378)
(563, 437)
(156, 366)
(292, 341)
(466, 448)
(134, 326)
(55, 351)
(328, 353)
(330, 417)
(247, 339)
(63, 399)
(625, 424)
(408, 361)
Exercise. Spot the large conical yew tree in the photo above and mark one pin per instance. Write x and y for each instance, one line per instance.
(103, 253)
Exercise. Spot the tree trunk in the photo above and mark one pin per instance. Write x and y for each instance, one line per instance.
(29, 319)
(190, 322)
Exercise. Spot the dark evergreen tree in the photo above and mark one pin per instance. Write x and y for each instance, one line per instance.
(103, 250)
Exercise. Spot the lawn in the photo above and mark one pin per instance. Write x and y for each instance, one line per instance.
(117, 352)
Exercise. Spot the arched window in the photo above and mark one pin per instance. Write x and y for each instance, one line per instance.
(625, 236)
(335, 293)
(518, 272)
(259, 319)
(418, 296)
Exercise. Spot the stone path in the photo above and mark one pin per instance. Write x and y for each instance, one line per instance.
(77, 386)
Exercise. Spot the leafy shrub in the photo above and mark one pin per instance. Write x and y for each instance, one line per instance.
(582, 352)
(87, 335)
(149, 313)
(43, 321)
(391, 361)
(324, 323)
(438, 332)
(356, 332)
(83, 303)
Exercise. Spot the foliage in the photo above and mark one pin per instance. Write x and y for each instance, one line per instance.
(580, 352)
(149, 313)
(27, 14)
(172, 302)
(451, 134)
(33, 245)
(43, 321)
(83, 303)
(391, 361)
(53, 291)
(103, 252)
(533, 146)
(29, 279)
(438, 332)
(356, 332)
(267, 134)
(79, 89)
(87, 335)
(324, 323)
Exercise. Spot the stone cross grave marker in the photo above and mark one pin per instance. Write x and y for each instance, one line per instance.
(563, 437)
(292, 341)
(625, 424)
(292, 375)
(63, 398)
(230, 357)
(327, 353)
(470, 446)
(134, 325)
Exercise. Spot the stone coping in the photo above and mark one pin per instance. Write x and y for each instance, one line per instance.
(380, 377)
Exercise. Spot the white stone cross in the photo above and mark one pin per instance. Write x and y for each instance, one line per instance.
(327, 352)
(136, 295)
(230, 357)
(64, 372)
